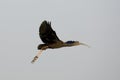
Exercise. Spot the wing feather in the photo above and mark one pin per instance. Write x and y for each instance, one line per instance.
(47, 34)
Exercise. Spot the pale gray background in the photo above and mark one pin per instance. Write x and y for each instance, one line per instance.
(95, 22)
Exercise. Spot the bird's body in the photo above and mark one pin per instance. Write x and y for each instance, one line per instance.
(50, 39)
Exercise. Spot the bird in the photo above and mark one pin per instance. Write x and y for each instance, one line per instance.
(51, 40)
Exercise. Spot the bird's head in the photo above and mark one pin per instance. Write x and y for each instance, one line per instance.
(74, 43)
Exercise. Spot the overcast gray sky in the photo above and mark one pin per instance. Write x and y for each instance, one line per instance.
(94, 22)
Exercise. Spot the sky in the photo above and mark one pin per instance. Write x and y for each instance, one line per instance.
(94, 22)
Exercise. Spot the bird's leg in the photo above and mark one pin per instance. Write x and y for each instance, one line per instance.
(39, 53)
(37, 56)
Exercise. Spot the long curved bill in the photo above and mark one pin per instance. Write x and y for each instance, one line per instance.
(37, 56)
(85, 45)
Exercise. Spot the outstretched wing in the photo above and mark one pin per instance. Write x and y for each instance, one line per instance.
(47, 34)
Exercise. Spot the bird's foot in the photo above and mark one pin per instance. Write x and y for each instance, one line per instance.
(35, 58)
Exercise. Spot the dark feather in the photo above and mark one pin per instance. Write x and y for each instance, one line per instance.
(47, 34)
(70, 42)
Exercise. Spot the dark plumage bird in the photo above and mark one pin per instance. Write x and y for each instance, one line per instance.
(50, 39)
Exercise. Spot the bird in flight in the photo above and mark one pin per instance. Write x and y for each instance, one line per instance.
(51, 40)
